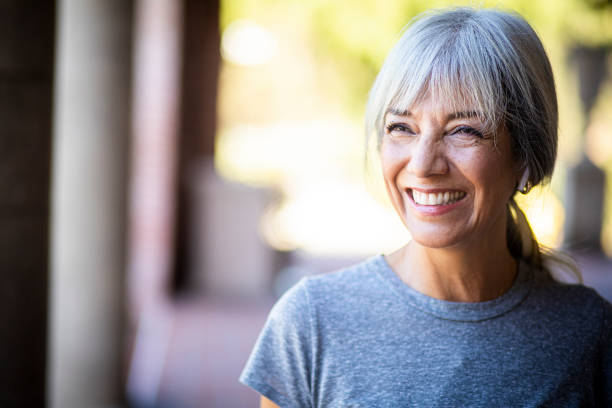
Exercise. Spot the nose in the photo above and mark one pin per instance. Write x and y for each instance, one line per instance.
(427, 158)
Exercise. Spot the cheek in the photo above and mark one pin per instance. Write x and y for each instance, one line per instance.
(492, 176)
(390, 162)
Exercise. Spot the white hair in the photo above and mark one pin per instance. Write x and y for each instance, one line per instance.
(488, 61)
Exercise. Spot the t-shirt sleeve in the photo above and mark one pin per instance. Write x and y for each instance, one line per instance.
(605, 377)
(279, 367)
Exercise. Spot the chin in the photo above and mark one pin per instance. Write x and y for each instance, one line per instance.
(434, 242)
(434, 237)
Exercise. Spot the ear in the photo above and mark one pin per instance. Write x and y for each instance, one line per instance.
(523, 185)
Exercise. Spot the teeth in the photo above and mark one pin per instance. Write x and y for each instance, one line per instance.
(447, 197)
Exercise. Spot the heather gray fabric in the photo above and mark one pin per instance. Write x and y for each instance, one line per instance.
(360, 337)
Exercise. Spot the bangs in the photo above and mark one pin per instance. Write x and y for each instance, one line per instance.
(451, 65)
(452, 89)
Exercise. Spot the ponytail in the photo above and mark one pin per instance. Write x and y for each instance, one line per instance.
(524, 246)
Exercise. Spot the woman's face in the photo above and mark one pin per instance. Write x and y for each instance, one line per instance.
(448, 180)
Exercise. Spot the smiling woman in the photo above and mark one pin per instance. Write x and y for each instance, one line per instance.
(448, 179)
(468, 312)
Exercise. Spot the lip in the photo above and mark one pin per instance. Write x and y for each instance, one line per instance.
(433, 190)
(432, 210)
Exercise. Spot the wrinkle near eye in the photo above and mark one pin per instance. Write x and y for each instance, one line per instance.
(465, 141)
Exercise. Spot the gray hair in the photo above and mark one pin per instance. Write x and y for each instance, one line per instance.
(491, 62)
(488, 60)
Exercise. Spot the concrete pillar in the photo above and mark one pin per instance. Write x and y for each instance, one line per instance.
(155, 123)
(156, 99)
(26, 73)
(92, 110)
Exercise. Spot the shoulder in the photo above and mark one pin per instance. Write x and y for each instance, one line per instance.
(352, 278)
(328, 288)
(330, 296)
(577, 296)
(347, 287)
(574, 304)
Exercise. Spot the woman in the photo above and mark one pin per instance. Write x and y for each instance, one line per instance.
(468, 312)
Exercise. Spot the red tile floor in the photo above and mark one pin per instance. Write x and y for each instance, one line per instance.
(210, 342)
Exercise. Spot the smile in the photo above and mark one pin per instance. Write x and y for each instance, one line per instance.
(438, 198)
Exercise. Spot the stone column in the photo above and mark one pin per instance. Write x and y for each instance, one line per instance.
(156, 100)
(92, 110)
(26, 75)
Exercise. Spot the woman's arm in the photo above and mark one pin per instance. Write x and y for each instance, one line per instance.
(266, 403)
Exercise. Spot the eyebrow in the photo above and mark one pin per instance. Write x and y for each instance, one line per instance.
(451, 116)
(464, 114)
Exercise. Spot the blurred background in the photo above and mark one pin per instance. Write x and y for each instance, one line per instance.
(171, 167)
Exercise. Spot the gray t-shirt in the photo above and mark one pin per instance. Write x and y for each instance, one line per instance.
(360, 337)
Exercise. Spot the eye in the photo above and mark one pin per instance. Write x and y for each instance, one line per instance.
(399, 128)
(467, 130)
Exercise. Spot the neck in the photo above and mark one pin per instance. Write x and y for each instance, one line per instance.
(474, 273)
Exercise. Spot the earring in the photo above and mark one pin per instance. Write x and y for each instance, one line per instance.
(523, 185)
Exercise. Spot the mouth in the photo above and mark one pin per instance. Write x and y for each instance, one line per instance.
(436, 198)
